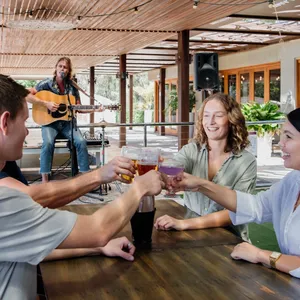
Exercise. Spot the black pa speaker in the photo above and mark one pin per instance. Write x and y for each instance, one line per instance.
(206, 71)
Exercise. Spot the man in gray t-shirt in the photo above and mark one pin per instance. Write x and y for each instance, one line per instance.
(30, 232)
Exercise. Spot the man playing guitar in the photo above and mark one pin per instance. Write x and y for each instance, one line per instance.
(60, 84)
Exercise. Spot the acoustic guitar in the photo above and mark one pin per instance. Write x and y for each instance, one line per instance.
(43, 116)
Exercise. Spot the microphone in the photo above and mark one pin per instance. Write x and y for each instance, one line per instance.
(62, 75)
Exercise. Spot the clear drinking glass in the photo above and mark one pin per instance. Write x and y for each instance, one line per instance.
(148, 160)
(171, 168)
(133, 153)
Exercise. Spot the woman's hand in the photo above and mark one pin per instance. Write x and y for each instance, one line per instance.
(185, 182)
(166, 223)
(246, 252)
(119, 247)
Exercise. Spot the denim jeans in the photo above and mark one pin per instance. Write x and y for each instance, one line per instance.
(49, 133)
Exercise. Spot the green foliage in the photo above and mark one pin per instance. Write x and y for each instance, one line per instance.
(173, 101)
(27, 83)
(262, 112)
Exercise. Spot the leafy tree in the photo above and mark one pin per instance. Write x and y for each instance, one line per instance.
(27, 83)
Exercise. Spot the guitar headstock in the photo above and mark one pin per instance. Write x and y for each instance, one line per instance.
(113, 107)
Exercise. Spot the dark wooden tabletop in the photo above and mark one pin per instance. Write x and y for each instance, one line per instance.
(193, 264)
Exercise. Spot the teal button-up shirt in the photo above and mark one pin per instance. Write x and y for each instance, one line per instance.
(238, 172)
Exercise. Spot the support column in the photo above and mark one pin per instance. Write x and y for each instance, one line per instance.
(156, 103)
(92, 94)
(122, 73)
(162, 100)
(130, 100)
(183, 87)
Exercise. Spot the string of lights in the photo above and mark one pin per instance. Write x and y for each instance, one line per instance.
(31, 12)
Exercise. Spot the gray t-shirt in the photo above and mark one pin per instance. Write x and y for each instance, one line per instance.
(238, 172)
(28, 234)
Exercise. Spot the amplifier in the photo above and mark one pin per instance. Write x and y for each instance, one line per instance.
(95, 139)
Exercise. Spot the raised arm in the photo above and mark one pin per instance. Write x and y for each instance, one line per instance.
(222, 195)
(97, 229)
(55, 194)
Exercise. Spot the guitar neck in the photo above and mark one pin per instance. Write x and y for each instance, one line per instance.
(82, 107)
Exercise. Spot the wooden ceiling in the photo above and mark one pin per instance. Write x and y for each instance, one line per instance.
(96, 39)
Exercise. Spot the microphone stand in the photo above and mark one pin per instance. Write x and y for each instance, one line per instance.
(74, 164)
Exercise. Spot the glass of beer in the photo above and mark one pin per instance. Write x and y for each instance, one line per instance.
(132, 153)
(148, 160)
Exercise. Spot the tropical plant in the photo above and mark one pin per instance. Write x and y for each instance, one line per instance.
(173, 101)
(262, 112)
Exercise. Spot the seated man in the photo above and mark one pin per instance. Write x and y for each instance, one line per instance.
(30, 232)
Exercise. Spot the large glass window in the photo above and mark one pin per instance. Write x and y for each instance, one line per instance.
(232, 86)
(275, 85)
(259, 87)
(244, 78)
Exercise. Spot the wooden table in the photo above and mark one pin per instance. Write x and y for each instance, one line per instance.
(182, 265)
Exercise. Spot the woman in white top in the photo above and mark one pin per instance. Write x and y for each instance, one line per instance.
(280, 205)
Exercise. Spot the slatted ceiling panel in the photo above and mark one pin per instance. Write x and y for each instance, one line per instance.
(158, 15)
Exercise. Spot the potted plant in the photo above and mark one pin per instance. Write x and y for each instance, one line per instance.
(263, 112)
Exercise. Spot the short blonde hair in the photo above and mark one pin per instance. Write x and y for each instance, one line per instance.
(237, 139)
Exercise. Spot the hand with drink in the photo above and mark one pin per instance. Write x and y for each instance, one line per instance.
(133, 154)
(172, 168)
(111, 171)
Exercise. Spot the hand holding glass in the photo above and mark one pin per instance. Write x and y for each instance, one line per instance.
(171, 168)
(132, 153)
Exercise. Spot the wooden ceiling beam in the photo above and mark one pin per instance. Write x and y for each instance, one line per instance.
(151, 54)
(124, 30)
(133, 63)
(247, 31)
(256, 17)
(204, 41)
(191, 49)
(56, 54)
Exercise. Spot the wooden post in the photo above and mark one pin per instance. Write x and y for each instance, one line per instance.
(162, 100)
(122, 73)
(92, 94)
(156, 103)
(183, 86)
(130, 100)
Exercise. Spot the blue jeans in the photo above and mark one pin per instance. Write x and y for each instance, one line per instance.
(49, 134)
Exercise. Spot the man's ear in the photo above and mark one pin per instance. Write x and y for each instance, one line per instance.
(4, 119)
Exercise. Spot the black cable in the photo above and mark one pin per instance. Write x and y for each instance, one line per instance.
(31, 11)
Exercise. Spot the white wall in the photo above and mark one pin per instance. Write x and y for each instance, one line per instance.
(286, 53)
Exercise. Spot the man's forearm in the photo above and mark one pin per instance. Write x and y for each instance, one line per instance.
(216, 219)
(55, 194)
(57, 254)
(100, 227)
(35, 100)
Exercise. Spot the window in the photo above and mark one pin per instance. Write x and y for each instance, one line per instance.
(232, 86)
(259, 87)
(244, 91)
(275, 85)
